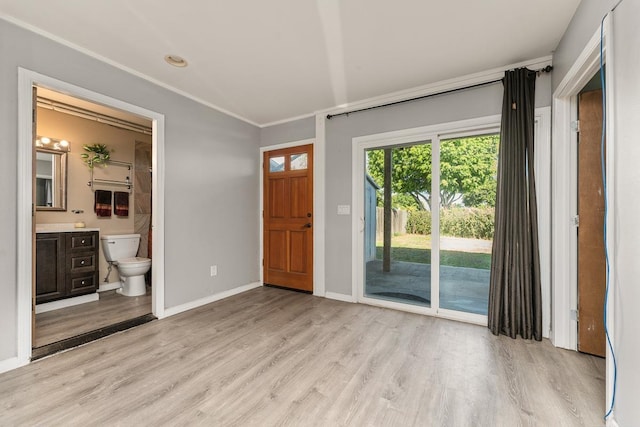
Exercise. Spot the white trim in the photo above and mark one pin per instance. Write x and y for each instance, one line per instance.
(542, 167)
(171, 311)
(11, 364)
(318, 209)
(612, 422)
(24, 231)
(564, 186)
(448, 129)
(26, 80)
(157, 220)
(612, 229)
(67, 302)
(339, 297)
(357, 219)
(435, 224)
(136, 73)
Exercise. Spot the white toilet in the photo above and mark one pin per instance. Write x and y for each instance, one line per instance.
(120, 250)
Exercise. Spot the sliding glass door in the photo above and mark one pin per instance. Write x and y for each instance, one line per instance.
(397, 186)
(428, 212)
(466, 217)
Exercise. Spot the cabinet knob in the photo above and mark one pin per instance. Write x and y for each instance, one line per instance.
(82, 241)
(82, 262)
(82, 282)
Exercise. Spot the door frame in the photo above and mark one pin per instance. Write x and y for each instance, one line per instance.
(435, 133)
(318, 212)
(565, 239)
(26, 80)
(565, 186)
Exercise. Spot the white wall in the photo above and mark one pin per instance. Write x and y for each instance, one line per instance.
(626, 289)
(211, 176)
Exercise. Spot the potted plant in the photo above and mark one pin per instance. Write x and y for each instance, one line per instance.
(96, 154)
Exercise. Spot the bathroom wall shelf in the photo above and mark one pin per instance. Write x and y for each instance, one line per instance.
(99, 181)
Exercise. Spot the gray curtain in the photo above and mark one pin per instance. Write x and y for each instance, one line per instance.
(515, 306)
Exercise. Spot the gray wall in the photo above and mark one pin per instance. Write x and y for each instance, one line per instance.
(584, 24)
(462, 105)
(211, 191)
(627, 205)
(286, 132)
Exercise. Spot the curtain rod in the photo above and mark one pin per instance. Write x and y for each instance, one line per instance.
(546, 69)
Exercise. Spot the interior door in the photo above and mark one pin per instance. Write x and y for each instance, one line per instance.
(288, 218)
(591, 255)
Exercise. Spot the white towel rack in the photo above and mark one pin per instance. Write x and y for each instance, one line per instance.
(126, 183)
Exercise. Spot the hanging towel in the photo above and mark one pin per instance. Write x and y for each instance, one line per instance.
(102, 204)
(121, 202)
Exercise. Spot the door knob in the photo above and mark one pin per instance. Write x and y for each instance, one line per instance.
(307, 225)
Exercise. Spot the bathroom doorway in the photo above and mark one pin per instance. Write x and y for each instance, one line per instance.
(79, 312)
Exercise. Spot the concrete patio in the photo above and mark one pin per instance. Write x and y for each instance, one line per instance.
(461, 289)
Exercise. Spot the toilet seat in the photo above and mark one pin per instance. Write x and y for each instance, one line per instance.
(134, 262)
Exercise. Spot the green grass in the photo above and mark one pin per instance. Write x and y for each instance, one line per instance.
(417, 248)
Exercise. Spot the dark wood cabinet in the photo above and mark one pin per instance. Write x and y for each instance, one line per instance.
(66, 265)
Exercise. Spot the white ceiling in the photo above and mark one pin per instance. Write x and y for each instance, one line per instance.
(270, 60)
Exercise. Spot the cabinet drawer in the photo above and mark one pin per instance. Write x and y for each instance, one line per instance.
(81, 241)
(82, 262)
(82, 284)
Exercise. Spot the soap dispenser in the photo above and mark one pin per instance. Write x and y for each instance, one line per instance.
(79, 222)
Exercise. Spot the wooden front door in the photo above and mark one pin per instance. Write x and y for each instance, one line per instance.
(591, 256)
(288, 217)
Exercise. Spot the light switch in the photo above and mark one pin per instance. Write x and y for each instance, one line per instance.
(344, 210)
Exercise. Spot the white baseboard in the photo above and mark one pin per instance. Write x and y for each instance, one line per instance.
(208, 300)
(10, 364)
(67, 302)
(109, 286)
(612, 423)
(339, 297)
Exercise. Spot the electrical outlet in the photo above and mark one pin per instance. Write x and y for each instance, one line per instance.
(214, 270)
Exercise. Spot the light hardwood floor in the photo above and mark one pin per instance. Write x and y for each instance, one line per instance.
(110, 309)
(273, 357)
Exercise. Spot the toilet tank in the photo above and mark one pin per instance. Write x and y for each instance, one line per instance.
(120, 246)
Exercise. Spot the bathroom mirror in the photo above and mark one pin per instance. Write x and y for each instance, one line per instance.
(51, 180)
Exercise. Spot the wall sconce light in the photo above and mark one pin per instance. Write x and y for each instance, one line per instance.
(53, 144)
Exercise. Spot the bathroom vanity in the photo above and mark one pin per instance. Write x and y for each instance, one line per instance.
(66, 263)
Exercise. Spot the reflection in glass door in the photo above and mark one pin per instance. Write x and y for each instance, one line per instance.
(468, 171)
(397, 232)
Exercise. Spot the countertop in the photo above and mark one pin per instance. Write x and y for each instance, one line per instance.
(62, 228)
